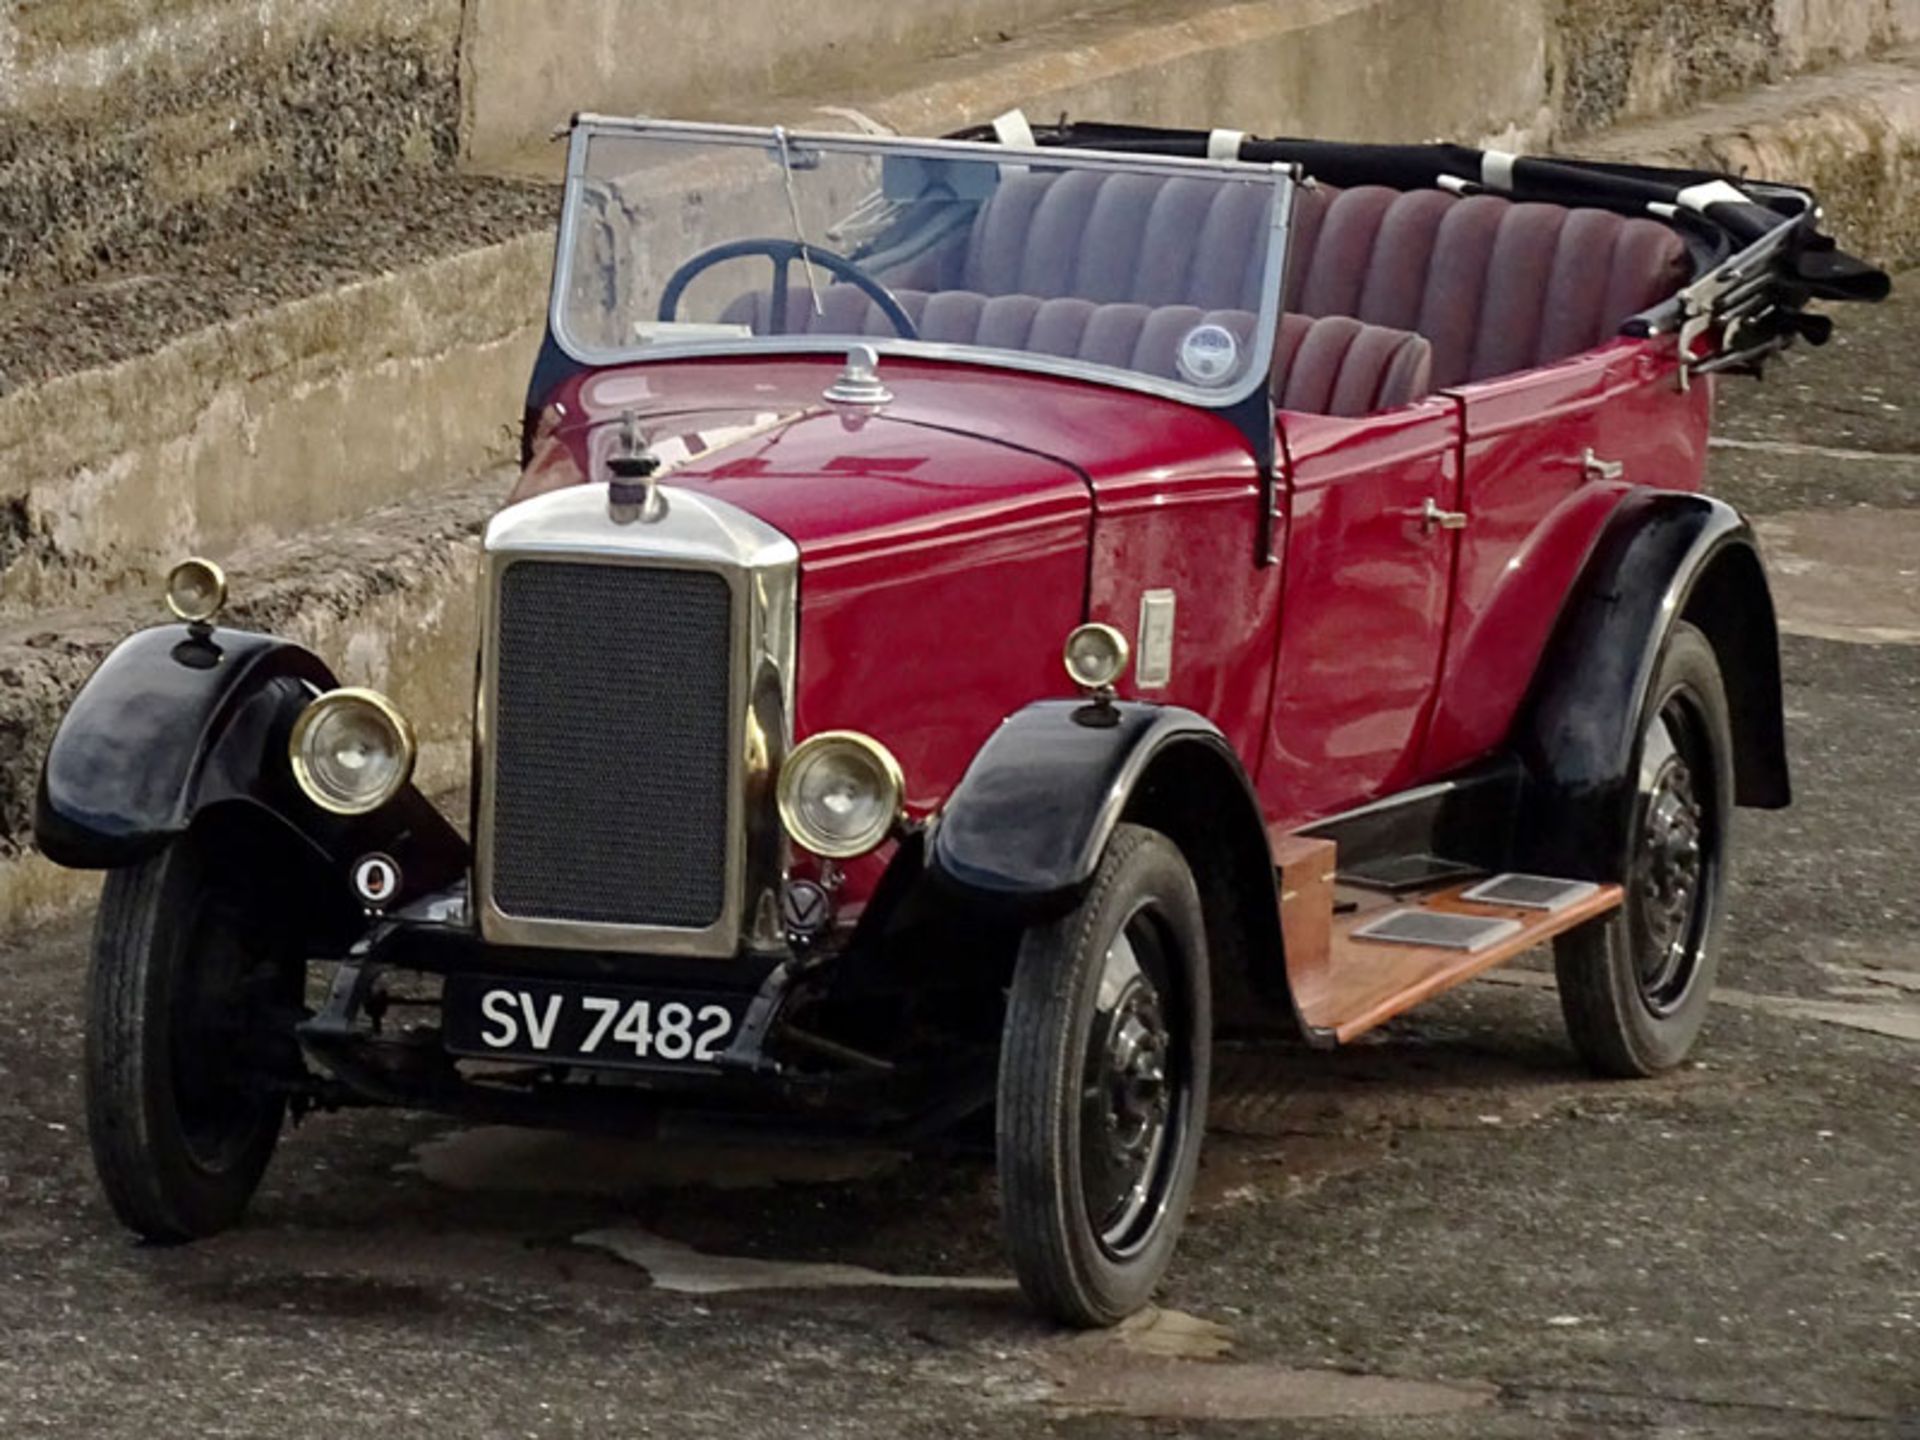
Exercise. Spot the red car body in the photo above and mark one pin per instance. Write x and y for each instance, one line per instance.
(1399, 639)
(1067, 506)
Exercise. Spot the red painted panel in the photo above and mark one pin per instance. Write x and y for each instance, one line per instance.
(929, 650)
(1364, 610)
(938, 575)
(945, 552)
(1535, 514)
(1186, 519)
(1092, 427)
(944, 556)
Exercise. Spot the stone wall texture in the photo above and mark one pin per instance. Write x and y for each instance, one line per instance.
(129, 126)
(1616, 60)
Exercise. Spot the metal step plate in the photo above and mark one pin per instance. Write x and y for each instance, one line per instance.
(1530, 892)
(1437, 929)
(1399, 874)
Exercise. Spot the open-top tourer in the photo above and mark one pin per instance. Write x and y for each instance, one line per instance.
(1357, 487)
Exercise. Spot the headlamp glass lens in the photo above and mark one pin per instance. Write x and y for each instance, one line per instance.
(353, 755)
(840, 795)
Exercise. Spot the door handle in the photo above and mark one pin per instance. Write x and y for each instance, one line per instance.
(1598, 469)
(1432, 517)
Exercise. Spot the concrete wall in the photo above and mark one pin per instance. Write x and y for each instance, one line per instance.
(1594, 63)
(266, 426)
(1358, 69)
(125, 122)
(321, 409)
(1820, 32)
(69, 55)
(1619, 60)
(127, 126)
(529, 64)
(388, 601)
(1852, 136)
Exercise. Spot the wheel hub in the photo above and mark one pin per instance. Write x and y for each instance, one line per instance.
(1669, 870)
(1136, 1076)
(1129, 1097)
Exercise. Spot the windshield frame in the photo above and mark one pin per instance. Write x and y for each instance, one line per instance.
(1282, 177)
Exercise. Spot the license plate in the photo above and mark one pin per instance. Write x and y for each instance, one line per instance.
(586, 1024)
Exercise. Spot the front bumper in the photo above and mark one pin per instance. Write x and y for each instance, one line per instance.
(377, 1040)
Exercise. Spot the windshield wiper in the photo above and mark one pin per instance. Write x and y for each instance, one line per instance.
(793, 209)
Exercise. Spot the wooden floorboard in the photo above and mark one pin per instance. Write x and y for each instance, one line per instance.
(1368, 981)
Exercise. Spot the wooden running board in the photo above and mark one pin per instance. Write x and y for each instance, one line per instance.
(1355, 984)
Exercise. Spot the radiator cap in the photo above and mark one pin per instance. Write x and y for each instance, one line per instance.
(859, 383)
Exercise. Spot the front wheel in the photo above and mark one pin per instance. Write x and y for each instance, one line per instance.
(1634, 986)
(187, 965)
(1103, 1086)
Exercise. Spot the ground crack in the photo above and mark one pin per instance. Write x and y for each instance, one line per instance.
(1519, 1391)
(1823, 452)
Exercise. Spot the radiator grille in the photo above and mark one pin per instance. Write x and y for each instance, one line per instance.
(612, 717)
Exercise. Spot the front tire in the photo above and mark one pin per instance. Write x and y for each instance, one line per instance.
(1103, 1086)
(184, 966)
(1635, 986)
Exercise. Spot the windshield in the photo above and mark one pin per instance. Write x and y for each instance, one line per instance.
(689, 239)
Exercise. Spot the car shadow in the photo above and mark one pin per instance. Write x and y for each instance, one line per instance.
(384, 1203)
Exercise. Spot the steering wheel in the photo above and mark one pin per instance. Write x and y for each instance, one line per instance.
(783, 253)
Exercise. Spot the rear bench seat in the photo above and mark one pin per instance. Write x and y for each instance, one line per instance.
(1497, 286)
(1334, 365)
(1390, 294)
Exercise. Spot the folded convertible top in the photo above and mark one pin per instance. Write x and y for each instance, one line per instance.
(1762, 255)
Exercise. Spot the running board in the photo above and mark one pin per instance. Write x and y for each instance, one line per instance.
(1386, 953)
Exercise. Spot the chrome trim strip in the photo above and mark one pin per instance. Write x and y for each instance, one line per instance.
(640, 125)
(1284, 178)
(1386, 805)
(762, 570)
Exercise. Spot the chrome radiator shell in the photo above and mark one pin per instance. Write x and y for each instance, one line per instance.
(760, 568)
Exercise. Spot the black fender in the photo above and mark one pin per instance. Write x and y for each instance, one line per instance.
(1025, 827)
(1663, 557)
(1022, 833)
(175, 725)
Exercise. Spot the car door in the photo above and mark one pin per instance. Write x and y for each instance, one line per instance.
(1370, 539)
(1548, 453)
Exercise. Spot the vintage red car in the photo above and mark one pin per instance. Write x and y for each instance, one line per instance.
(1359, 487)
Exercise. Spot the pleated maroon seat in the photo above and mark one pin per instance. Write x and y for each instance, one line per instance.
(1431, 290)
(1330, 366)
(1335, 365)
(1497, 286)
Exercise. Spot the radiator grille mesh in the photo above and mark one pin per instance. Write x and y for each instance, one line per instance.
(610, 744)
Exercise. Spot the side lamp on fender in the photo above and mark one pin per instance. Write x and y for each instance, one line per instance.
(1096, 656)
(196, 590)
